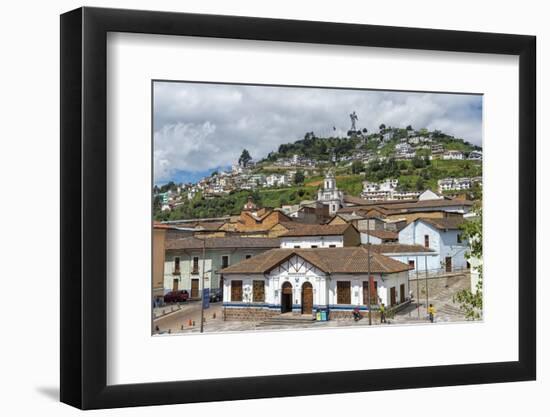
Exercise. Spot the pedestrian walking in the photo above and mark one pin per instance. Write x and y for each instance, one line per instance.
(382, 313)
(431, 312)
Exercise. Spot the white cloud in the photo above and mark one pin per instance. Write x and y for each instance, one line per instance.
(183, 145)
(204, 126)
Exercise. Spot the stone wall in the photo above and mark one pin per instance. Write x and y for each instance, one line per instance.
(249, 314)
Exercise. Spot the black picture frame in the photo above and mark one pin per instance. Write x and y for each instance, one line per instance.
(84, 207)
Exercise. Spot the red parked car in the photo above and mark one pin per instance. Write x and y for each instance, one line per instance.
(176, 296)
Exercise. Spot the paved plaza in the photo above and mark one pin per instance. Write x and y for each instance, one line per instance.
(185, 318)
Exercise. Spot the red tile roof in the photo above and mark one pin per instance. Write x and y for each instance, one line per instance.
(445, 223)
(222, 242)
(386, 248)
(382, 234)
(302, 229)
(330, 260)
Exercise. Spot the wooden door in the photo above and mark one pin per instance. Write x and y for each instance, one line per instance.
(194, 288)
(402, 293)
(448, 264)
(393, 300)
(286, 297)
(175, 284)
(373, 292)
(307, 298)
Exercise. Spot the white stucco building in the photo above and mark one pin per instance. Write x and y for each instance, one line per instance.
(311, 236)
(451, 184)
(191, 263)
(418, 257)
(443, 235)
(302, 281)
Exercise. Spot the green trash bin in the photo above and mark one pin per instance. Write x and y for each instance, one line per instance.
(318, 316)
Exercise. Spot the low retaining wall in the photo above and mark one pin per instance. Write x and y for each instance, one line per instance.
(249, 314)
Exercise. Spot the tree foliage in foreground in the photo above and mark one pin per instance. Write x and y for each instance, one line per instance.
(471, 303)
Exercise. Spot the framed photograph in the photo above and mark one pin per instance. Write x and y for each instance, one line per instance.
(258, 208)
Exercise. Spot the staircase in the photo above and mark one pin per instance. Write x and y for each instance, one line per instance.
(288, 319)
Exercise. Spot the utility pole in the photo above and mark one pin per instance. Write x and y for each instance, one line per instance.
(417, 289)
(202, 283)
(368, 271)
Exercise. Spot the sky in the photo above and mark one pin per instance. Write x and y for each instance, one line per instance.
(199, 127)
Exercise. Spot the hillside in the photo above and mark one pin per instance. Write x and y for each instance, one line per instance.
(353, 159)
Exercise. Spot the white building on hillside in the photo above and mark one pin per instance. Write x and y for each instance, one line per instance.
(276, 180)
(452, 184)
(453, 155)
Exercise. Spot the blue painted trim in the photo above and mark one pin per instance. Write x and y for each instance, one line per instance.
(251, 305)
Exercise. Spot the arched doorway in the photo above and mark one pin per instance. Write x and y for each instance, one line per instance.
(307, 298)
(286, 297)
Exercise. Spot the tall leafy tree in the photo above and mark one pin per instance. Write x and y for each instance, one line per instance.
(245, 158)
(299, 177)
(471, 302)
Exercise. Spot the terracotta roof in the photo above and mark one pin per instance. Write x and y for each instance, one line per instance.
(445, 223)
(402, 206)
(330, 260)
(431, 203)
(210, 226)
(386, 248)
(303, 229)
(349, 216)
(158, 225)
(382, 234)
(355, 200)
(223, 242)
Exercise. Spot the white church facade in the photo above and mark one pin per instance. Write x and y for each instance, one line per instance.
(304, 281)
(330, 195)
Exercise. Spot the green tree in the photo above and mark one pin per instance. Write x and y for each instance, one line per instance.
(299, 177)
(157, 203)
(471, 302)
(418, 162)
(357, 167)
(382, 126)
(245, 158)
(409, 127)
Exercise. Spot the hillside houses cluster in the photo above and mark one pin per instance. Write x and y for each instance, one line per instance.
(296, 161)
(386, 190)
(250, 176)
(336, 254)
